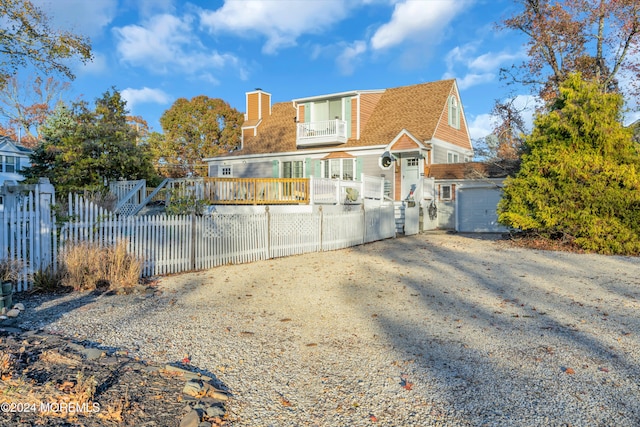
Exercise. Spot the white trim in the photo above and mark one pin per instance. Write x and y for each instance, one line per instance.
(413, 138)
(452, 154)
(451, 147)
(221, 169)
(375, 149)
(335, 95)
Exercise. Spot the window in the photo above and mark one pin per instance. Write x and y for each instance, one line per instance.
(327, 110)
(339, 169)
(412, 162)
(293, 169)
(454, 112)
(453, 157)
(225, 171)
(445, 192)
(9, 164)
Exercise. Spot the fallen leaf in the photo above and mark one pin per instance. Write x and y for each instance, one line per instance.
(569, 371)
(373, 418)
(603, 369)
(285, 402)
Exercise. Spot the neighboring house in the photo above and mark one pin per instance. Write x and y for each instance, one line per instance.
(396, 134)
(13, 159)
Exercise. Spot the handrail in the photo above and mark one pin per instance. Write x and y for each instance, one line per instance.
(138, 208)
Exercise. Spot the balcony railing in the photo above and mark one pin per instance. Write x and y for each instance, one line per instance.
(322, 133)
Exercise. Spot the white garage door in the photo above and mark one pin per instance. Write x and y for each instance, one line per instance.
(477, 210)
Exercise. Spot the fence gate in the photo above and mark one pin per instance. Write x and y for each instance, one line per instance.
(27, 228)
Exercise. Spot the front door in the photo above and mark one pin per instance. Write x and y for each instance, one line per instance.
(410, 176)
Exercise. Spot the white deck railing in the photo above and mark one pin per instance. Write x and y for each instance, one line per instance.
(322, 132)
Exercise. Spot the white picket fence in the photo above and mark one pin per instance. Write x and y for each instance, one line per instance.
(28, 229)
(173, 244)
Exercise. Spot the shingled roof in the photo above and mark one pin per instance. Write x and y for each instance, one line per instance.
(474, 170)
(416, 108)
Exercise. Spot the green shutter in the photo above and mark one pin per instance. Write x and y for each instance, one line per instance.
(359, 169)
(347, 115)
(276, 169)
(308, 167)
(318, 168)
(307, 112)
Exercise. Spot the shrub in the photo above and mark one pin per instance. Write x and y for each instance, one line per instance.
(580, 177)
(87, 266)
(185, 205)
(48, 279)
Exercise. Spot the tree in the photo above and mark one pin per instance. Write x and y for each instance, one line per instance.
(195, 129)
(85, 149)
(580, 178)
(600, 39)
(27, 38)
(27, 106)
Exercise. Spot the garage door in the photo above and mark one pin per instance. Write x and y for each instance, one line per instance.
(477, 210)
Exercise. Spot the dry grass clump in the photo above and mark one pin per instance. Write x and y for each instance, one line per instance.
(10, 270)
(86, 266)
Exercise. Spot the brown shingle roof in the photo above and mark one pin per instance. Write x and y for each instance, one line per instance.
(276, 133)
(474, 170)
(416, 108)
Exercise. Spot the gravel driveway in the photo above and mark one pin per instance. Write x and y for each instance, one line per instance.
(430, 330)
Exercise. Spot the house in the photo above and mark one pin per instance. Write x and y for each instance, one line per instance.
(395, 135)
(13, 158)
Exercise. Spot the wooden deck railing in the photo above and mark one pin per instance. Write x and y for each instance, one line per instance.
(256, 191)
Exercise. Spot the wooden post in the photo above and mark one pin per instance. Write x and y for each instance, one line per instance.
(266, 210)
(193, 240)
(321, 227)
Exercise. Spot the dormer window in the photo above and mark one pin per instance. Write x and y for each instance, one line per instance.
(454, 112)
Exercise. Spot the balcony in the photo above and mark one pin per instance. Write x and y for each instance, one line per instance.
(325, 132)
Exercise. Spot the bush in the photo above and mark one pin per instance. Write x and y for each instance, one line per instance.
(580, 177)
(48, 280)
(86, 266)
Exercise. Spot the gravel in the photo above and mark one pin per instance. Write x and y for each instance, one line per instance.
(429, 330)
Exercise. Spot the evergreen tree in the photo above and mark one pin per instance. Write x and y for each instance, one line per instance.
(84, 149)
(580, 176)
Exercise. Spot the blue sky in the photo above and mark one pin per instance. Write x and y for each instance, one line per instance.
(156, 51)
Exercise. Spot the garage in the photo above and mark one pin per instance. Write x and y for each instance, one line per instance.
(476, 210)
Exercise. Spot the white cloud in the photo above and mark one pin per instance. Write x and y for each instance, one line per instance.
(84, 17)
(477, 69)
(481, 126)
(416, 20)
(144, 95)
(349, 58)
(166, 43)
(471, 79)
(281, 22)
(493, 61)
